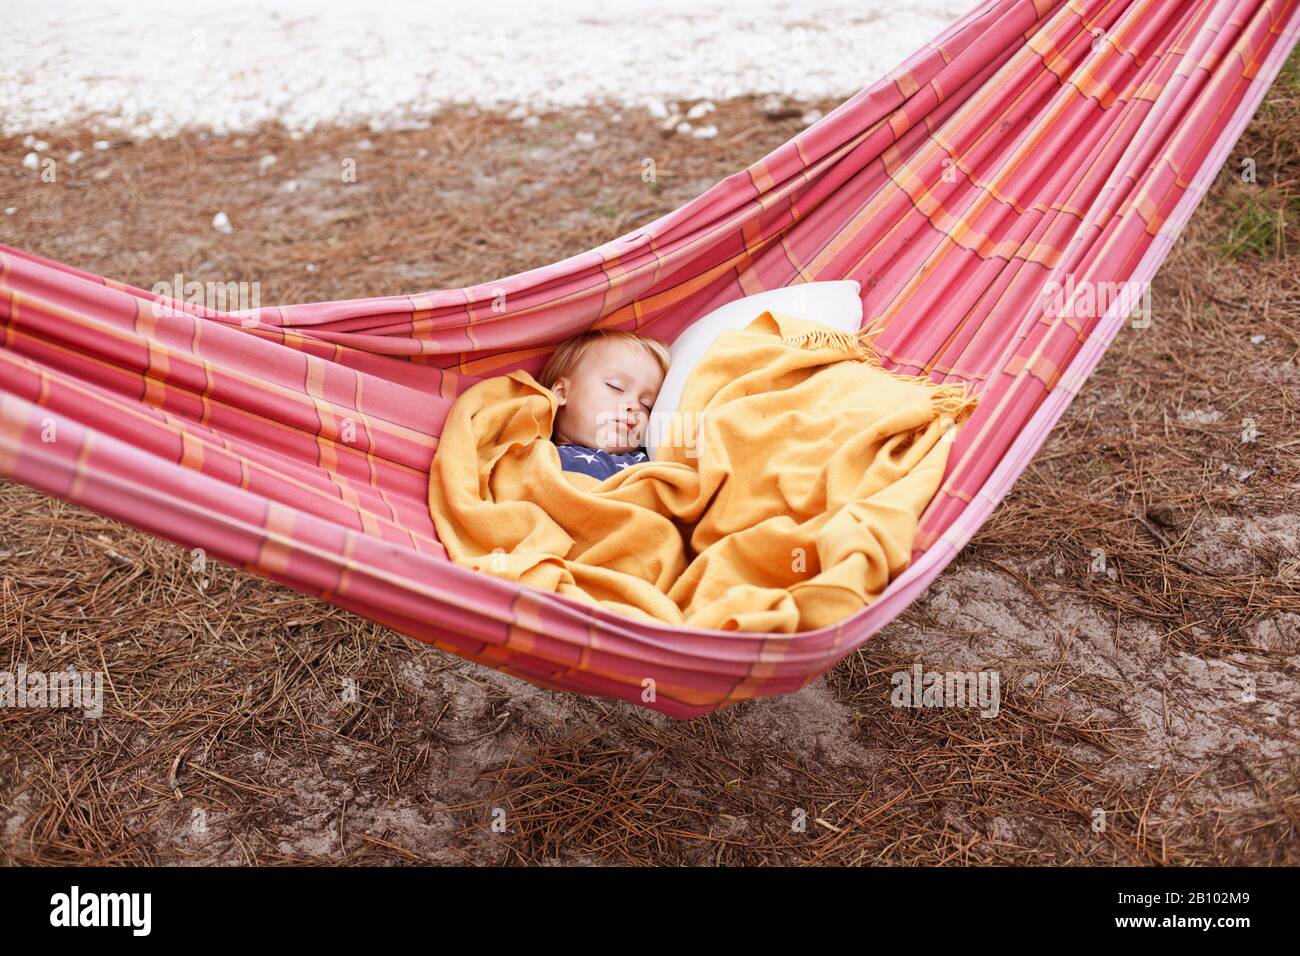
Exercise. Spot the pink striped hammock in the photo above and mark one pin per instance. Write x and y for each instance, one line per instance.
(1033, 142)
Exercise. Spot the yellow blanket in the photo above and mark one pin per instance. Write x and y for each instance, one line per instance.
(786, 502)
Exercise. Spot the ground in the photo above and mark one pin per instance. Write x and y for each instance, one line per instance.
(1137, 590)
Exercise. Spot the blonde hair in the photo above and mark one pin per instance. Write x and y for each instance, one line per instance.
(565, 358)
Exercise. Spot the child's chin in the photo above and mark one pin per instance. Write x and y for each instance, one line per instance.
(625, 449)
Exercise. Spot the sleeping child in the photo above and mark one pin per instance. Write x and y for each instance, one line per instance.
(605, 382)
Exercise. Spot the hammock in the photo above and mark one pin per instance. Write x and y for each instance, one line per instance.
(1033, 142)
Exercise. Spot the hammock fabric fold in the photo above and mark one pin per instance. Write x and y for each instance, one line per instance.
(1033, 142)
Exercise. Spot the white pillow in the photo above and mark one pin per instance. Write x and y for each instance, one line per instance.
(837, 304)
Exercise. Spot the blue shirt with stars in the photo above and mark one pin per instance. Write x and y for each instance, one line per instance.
(596, 461)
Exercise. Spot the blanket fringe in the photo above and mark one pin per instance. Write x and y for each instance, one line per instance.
(949, 399)
(823, 339)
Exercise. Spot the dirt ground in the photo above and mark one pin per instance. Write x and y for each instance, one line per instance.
(1137, 591)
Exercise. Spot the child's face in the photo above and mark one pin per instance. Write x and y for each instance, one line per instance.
(605, 401)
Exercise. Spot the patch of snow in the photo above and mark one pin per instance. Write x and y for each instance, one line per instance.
(145, 68)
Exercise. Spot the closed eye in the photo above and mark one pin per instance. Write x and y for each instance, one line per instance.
(648, 406)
